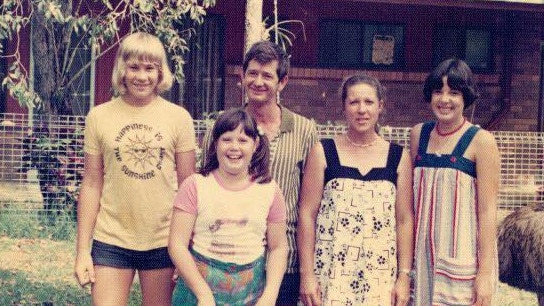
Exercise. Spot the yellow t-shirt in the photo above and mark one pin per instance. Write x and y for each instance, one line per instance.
(138, 146)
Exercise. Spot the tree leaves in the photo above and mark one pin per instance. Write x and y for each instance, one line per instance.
(96, 25)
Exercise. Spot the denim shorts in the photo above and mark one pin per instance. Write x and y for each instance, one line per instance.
(231, 284)
(104, 254)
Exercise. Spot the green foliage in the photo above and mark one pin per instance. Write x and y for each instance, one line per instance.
(66, 26)
(59, 162)
(17, 84)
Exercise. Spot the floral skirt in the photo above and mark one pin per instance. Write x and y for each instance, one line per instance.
(230, 283)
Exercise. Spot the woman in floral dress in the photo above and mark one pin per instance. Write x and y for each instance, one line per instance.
(355, 217)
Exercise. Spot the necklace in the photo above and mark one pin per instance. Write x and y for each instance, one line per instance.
(451, 132)
(361, 145)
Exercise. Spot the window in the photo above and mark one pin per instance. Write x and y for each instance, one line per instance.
(203, 88)
(470, 44)
(81, 96)
(79, 71)
(354, 44)
(541, 100)
(3, 73)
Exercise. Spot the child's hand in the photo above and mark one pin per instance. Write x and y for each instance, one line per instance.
(175, 276)
(84, 269)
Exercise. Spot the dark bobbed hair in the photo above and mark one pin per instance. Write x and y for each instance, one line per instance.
(362, 79)
(229, 121)
(459, 77)
(265, 52)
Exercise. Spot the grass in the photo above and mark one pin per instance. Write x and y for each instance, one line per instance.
(18, 289)
(37, 225)
(37, 257)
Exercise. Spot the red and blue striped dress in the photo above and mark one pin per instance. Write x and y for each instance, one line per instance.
(445, 206)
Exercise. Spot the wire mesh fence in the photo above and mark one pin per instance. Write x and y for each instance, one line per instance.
(41, 162)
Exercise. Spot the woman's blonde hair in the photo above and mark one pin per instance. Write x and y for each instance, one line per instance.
(143, 46)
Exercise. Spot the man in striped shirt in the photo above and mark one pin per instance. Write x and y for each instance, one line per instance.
(291, 136)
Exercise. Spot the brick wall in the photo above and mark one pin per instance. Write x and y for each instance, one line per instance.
(314, 93)
(508, 100)
(509, 96)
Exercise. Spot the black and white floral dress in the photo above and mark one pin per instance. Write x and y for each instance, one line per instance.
(356, 250)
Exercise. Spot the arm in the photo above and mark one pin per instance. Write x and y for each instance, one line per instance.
(405, 229)
(185, 165)
(487, 159)
(414, 140)
(87, 211)
(181, 230)
(310, 199)
(276, 262)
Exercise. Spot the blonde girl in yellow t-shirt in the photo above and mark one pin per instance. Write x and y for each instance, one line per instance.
(138, 146)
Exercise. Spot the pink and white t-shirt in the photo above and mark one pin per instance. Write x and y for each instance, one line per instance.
(230, 224)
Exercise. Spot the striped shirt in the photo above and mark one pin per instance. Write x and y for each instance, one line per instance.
(288, 152)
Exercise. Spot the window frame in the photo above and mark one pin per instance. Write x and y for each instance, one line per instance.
(395, 30)
(461, 53)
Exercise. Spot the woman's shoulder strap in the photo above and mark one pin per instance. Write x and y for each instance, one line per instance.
(465, 140)
(394, 155)
(424, 136)
(331, 154)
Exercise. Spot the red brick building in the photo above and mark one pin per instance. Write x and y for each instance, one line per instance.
(397, 41)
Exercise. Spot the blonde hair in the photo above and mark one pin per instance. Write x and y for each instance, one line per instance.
(143, 46)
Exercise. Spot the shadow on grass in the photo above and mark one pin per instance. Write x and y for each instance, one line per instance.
(18, 290)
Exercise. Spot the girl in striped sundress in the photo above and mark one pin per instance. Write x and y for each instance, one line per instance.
(456, 178)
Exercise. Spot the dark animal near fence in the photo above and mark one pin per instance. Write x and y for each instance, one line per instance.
(521, 249)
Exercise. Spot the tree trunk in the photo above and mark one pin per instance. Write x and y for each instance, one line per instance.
(50, 43)
(43, 56)
(254, 23)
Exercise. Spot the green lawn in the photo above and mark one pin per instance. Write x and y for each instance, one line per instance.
(39, 271)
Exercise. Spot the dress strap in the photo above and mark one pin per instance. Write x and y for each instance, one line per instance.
(331, 154)
(424, 137)
(394, 156)
(465, 140)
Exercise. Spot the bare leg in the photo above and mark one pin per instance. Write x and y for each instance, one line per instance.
(112, 286)
(157, 286)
